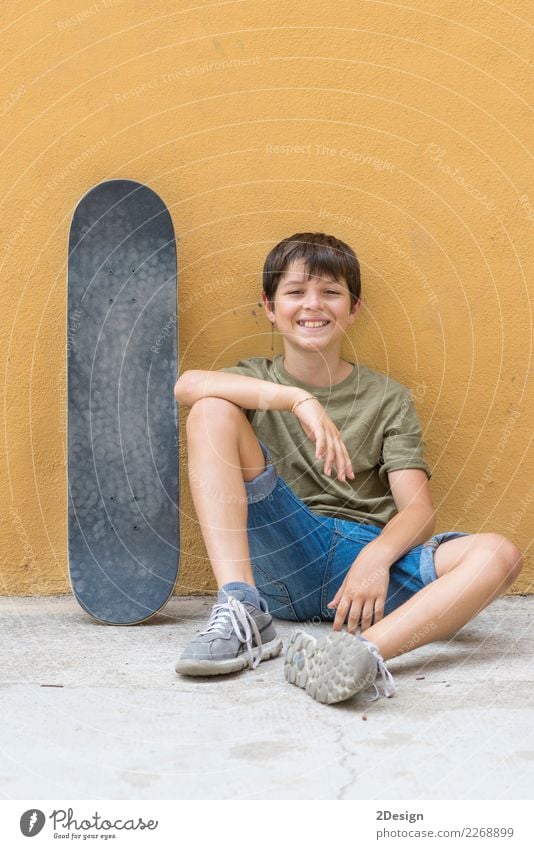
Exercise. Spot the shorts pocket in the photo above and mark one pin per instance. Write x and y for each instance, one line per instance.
(275, 594)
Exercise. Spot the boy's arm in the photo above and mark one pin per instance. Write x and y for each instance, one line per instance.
(363, 593)
(407, 477)
(415, 520)
(251, 393)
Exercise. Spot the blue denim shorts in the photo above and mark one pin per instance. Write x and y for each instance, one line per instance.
(300, 558)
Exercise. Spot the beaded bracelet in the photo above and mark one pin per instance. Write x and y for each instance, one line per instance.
(308, 398)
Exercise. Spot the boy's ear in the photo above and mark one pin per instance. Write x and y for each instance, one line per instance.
(267, 307)
(355, 310)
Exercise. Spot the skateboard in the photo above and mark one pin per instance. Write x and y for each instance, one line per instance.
(123, 527)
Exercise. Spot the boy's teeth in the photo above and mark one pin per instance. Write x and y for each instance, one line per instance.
(313, 323)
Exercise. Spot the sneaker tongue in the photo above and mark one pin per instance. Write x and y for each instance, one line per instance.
(222, 595)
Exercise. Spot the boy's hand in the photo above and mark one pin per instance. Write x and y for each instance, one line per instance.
(362, 595)
(329, 444)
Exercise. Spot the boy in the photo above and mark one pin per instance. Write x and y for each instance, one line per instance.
(285, 534)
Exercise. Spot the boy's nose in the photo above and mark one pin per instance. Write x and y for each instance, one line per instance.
(313, 300)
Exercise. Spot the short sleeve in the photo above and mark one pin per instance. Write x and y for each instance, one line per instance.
(248, 368)
(402, 446)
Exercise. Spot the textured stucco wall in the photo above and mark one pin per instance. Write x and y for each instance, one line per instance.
(413, 125)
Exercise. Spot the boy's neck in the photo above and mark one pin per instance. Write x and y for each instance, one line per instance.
(316, 369)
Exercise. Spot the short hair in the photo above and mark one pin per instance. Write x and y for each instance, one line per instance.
(323, 256)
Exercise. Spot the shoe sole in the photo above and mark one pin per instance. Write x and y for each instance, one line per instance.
(330, 669)
(224, 667)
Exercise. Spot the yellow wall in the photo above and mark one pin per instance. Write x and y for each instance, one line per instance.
(413, 126)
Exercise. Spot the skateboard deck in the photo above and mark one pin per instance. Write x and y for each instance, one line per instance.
(123, 527)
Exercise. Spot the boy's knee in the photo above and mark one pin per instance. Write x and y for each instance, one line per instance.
(211, 412)
(514, 558)
(498, 554)
(508, 555)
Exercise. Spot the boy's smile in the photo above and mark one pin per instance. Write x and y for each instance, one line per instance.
(311, 324)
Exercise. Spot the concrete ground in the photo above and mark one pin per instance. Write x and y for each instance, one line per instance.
(90, 711)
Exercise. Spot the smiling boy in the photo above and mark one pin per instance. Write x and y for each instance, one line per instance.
(311, 489)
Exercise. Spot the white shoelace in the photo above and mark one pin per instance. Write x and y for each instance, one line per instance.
(243, 625)
(388, 681)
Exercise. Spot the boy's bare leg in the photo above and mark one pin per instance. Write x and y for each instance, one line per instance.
(223, 452)
(472, 571)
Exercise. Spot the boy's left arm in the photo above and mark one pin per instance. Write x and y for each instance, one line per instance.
(362, 595)
(415, 519)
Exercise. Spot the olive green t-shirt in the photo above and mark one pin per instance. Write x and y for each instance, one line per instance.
(380, 429)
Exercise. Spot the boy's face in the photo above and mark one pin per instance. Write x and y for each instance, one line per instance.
(311, 312)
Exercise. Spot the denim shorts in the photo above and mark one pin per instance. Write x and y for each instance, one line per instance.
(300, 558)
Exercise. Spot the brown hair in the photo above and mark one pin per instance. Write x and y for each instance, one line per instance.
(323, 255)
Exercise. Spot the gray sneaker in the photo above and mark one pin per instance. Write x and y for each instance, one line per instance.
(237, 635)
(335, 667)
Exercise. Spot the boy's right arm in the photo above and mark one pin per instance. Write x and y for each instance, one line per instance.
(251, 393)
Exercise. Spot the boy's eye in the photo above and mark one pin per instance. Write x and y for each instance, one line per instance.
(327, 292)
